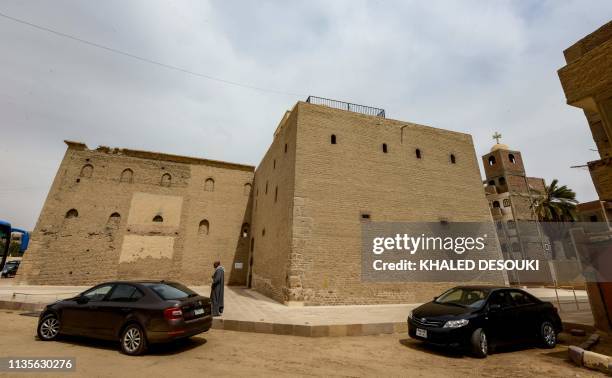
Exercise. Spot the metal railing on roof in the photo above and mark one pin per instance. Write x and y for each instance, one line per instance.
(356, 108)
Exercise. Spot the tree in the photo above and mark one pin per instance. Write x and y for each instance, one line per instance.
(557, 204)
(555, 208)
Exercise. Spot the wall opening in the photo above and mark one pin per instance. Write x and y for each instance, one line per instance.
(274, 164)
(491, 160)
(114, 220)
(333, 139)
(203, 228)
(158, 219)
(502, 181)
(266, 187)
(593, 218)
(492, 182)
(285, 147)
(512, 159)
(418, 153)
(275, 194)
(87, 170)
(209, 185)
(495, 204)
(127, 176)
(384, 147)
(72, 213)
(245, 230)
(453, 160)
(166, 180)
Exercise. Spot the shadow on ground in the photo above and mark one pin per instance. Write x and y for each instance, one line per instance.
(166, 349)
(455, 352)
(432, 349)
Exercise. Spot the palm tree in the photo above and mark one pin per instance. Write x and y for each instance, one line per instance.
(555, 208)
(556, 204)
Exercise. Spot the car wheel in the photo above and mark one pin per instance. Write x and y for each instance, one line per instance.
(548, 335)
(480, 343)
(133, 340)
(48, 328)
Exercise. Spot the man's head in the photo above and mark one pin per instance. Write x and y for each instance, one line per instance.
(216, 264)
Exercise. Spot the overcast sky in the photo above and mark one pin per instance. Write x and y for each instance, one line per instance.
(478, 67)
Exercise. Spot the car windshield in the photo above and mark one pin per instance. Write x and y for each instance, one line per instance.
(464, 297)
(168, 290)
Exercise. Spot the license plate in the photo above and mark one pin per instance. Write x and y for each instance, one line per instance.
(198, 311)
(421, 332)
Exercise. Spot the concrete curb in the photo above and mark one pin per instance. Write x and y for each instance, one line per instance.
(328, 330)
(22, 306)
(591, 360)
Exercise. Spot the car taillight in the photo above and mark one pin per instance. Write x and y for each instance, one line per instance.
(173, 313)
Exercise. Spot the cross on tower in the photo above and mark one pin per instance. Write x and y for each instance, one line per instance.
(497, 136)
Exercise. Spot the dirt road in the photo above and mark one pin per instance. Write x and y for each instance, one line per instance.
(239, 354)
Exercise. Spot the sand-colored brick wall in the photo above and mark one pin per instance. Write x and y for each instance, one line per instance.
(503, 165)
(272, 252)
(587, 77)
(114, 235)
(335, 183)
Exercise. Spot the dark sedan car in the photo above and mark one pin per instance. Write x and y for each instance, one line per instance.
(479, 317)
(10, 269)
(135, 313)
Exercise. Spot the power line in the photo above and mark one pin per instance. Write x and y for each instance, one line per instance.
(146, 60)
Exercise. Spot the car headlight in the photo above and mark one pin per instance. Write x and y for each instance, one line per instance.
(456, 323)
(410, 315)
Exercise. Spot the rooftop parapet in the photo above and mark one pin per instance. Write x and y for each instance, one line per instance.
(362, 109)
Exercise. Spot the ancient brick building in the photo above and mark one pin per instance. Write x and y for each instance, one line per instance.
(587, 83)
(117, 213)
(512, 196)
(296, 236)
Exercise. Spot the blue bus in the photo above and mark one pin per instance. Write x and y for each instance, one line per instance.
(5, 240)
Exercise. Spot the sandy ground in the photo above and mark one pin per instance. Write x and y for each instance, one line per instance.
(228, 353)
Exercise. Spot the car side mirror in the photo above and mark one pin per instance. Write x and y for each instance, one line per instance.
(82, 300)
(494, 307)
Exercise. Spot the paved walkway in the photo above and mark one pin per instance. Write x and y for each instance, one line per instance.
(248, 310)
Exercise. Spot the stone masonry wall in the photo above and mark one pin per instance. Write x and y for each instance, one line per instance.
(272, 272)
(98, 220)
(337, 183)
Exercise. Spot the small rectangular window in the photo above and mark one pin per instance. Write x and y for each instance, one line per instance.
(365, 216)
